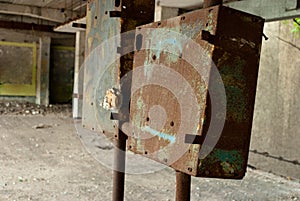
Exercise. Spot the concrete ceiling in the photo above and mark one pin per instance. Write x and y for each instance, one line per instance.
(58, 11)
(186, 4)
(61, 11)
(58, 4)
(69, 27)
(181, 3)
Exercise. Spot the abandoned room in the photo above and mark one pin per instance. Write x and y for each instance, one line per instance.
(150, 100)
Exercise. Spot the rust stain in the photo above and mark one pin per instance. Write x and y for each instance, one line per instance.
(98, 101)
(236, 55)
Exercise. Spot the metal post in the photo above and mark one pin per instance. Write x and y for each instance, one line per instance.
(209, 3)
(183, 181)
(119, 168)
(183, 186)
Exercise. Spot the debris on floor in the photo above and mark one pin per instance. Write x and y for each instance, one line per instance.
(55, 164)
(41, 126)
(25, 109)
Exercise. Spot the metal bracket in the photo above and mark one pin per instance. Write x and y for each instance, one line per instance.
(194, 139)
(207, 36)
(115, 13)
(118, 116)
(79, 25)
(126, 50)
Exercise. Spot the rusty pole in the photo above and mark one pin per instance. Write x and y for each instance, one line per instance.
(119, 167)
(183, 181)
(183, 186)
(209, 3)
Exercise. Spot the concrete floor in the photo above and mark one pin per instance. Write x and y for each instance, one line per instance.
(43, 158)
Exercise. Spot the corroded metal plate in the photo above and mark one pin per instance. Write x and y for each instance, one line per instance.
(100, 74)
(170, 100)
(104, 64)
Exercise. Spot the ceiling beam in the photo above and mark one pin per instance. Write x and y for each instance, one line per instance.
(25, 26)
(80, 6)
(50, 14)
(73, 26)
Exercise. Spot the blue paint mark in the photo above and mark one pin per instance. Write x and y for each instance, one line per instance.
(165, 136)
(170, 45)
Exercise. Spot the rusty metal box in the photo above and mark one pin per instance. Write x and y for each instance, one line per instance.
(103, 66)
(193, 91)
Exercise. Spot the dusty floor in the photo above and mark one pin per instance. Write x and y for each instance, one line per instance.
(43, 158)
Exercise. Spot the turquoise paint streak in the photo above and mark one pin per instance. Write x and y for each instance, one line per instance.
(165, 136)
(233, 157)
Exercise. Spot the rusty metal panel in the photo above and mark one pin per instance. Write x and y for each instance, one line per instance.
(163, 145)
(183, 134)
(104, 66)
(100, 27)
(237, 53)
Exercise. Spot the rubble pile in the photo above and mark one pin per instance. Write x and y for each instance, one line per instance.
(18, 108)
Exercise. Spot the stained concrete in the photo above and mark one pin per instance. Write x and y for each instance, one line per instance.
(23, 36)
(276, 134)
(52, 162)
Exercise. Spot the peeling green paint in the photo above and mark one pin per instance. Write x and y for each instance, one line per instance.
(234, 80)
(231, 156)
(210, 22)
(140, 103)
(225, 162)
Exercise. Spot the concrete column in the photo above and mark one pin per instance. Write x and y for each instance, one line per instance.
(78, 74)
(43, 68)
(162, 12)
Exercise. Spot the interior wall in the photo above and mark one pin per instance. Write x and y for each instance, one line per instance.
(17, 37)
(24, 36)
(61, 74)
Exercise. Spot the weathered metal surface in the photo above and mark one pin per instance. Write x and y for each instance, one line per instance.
(183, 187)
(164, 143)
(100, 27)
(100, 74)
(232, 40)
(236, 54)
(119, 168)
(106, 19)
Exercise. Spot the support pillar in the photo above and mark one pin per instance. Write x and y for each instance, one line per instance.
(209, 3)
(183, 186)
(78, 75)
(162, 12)
(119, 168)
(43, 68)
(183, 181)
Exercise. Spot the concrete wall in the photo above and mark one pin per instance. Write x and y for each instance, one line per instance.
(61, 74)
(275, 144)
(43, 58)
